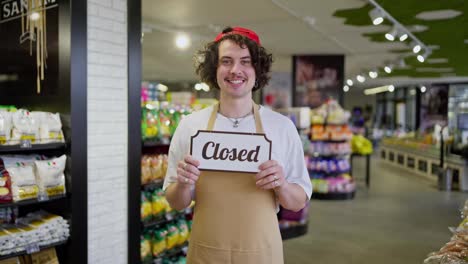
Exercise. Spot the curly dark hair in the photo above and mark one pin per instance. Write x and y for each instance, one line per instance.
(207, 60)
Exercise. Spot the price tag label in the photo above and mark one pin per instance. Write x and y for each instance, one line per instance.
(32, 248)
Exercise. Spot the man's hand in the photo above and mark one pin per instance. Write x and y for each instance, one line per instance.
(187, 171)
(270, 176)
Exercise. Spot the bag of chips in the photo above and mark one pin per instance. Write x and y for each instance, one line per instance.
(25, 127)
(5, 184)
(23, 180)
(50, 176)
(50, 127)
(5, 126)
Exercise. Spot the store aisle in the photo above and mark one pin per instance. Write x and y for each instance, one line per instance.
(400, 219)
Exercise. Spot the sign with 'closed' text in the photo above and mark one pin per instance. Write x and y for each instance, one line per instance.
(228, 151)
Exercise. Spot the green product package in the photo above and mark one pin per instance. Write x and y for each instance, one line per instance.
(159, 241)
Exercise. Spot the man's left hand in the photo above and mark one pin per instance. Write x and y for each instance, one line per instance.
(270, 176)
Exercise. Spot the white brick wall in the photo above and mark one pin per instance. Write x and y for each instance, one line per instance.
(107, 131)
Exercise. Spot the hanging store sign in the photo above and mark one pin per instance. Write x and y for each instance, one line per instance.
(13, 9)
(227, 151)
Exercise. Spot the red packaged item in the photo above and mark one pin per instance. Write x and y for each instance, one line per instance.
(5, 185)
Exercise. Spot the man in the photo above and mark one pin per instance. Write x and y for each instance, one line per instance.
(235, 215)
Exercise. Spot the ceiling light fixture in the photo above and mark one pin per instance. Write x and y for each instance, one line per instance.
(420, 58)
(376, 16)
(360, 78)
(388, 69)
(416, 47)
(423, 89)
(391, 88)
(376, 90)
(373, 74)
(391, 35)
(346, 88)
(403, 37)
(349, 82)
(401, 32)
(182, 41)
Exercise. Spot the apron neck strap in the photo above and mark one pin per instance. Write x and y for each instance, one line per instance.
(258, 121)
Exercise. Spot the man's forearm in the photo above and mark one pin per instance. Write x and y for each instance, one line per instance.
(179, 196)
(291, 196)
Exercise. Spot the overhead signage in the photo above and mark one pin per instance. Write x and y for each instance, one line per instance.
(13, 9)
(228, 151)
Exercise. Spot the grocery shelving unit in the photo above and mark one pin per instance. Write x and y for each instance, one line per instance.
(70, 99)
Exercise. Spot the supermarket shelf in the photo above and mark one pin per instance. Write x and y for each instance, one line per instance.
(293, 231)
(163, 219)
(152, 144)
(4, 149)
(24, 252)
(326, 174)
(328, 156)
(152, 185)
(331, 124)
(176, 251)
(330, 140)
(33, 201)
(333, 196)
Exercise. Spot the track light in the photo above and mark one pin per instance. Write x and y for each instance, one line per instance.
(421, 58)
(360, 78)
(403, 36)
(376, 16)
(392, 34)
(416, 47)
(346, 88)
(349, 82)
(373, 74)
(388, 69)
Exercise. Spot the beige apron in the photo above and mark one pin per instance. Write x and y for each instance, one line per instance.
(234, 222)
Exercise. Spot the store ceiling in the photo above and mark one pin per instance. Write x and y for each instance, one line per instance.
(288, 27)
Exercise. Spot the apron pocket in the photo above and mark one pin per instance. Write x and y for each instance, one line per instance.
(261, 256)
(200, 254)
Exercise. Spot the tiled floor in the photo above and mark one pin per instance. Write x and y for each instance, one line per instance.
(398, 220)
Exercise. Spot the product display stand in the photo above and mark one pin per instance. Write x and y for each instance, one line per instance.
(328, 154)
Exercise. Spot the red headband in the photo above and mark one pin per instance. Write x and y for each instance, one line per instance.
(240, 31)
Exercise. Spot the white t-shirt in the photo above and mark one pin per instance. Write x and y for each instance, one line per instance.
(286, 144)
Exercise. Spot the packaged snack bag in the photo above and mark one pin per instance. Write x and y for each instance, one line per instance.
(159, 241)
(50, 176)
(172, 236)
(145, 170)
(25, 127)
(145, 209)
(157, 202)
(183, 231)
(5, 184)
(145, 247)
(23, 180)
(156, 168)
(5, 126)
(50, 127)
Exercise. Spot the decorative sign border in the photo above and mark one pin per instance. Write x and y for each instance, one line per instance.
(235, 133)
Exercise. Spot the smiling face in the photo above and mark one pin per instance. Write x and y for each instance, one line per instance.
(235, 74)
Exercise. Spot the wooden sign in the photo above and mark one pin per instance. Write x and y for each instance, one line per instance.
(228, 151)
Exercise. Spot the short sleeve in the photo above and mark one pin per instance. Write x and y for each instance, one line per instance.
(295, 167)
(177, 151)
